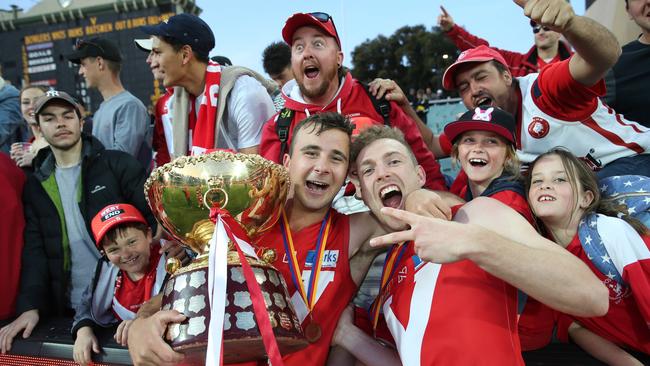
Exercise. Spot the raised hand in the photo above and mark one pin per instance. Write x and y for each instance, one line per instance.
(445, 21)
(555, 14)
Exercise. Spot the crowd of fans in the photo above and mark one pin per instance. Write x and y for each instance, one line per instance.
(528, 244)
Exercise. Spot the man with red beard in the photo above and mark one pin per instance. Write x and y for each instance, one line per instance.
(321, 84)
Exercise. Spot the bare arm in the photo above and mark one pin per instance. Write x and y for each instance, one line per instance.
(596, 47)
(601, 348)
(363, 347)
(503, 243)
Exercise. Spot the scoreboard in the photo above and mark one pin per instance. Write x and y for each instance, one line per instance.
(34, 51)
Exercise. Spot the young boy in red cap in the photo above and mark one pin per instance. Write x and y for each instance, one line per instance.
(130, 272)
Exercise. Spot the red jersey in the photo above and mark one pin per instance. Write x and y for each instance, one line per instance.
(162, 124)
(12, 226)
(335, 285)
(353, 102)
(627, 322)
(450, 314)
(129, 294)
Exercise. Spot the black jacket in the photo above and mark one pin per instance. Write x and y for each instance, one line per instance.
(108, 177)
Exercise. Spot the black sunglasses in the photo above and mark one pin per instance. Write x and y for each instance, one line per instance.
(80, 43)
(324, 18)
(537, 28)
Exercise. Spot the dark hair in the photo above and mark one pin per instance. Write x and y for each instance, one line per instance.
(114, 66)
(177, 45)
(119, 230)
(320, 123)
(374, 133)
(276, 57)
(579, 175)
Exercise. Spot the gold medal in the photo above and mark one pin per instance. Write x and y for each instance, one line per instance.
(313, 332)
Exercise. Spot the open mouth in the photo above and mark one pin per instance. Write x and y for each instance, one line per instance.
(483, 101)
(477, 162)
(311, 72)
(546, 198)
(391, 196)
(316, 186)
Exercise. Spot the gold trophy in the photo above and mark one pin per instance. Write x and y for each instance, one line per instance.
(252, 190)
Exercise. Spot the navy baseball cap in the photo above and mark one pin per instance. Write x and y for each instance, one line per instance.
(94, 47)
(484, 118)
(187, 29)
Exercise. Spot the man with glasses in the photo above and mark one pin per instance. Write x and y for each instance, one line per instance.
(321, 84)
(122, 121)
(212, 107)
(547, 49)
(560, 105)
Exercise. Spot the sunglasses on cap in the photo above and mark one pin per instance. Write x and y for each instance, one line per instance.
(80, 43)
(324, 18)
(538, 27)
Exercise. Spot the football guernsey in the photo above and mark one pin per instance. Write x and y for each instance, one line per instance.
(335, 287)
(450, 314)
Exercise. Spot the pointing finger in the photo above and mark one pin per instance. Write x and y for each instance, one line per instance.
(392, 238)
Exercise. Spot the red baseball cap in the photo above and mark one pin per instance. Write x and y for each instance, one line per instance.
(483, 118)
(478, 54)
(320, 20)
(111, 216)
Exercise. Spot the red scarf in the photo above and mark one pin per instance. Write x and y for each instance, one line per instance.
(203, 126)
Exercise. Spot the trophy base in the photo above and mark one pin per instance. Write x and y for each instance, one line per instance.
(186, 292)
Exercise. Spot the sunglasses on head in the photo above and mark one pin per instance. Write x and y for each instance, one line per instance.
(80, 43)
(324, 18)
(537, 28)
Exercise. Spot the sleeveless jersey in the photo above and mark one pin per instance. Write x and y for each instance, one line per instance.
(556, 110)
(451, 314)
(335, 285)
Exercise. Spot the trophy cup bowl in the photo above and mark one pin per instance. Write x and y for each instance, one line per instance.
(253, 190)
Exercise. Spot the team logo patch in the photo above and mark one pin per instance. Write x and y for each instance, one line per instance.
(539, 127)
(330, 257)
(483, 115)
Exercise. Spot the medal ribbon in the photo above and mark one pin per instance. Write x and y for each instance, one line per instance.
(393, 257)
(309, 296)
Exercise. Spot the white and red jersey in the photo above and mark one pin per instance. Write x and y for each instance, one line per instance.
(628, 320)
(130, 295)
(556, 110)
(451, 314)
(335, 285)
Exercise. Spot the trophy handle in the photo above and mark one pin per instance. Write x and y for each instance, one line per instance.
(209, 203)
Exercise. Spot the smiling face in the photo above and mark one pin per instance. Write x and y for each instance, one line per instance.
(315, 60)
(130, 251)
(482, 156)
(60, 125)
(552, 196)
(483, 84)
(166, 62)
(28, 99)
(546, 39)
(639, 11)
(317, 167)
(387, 174)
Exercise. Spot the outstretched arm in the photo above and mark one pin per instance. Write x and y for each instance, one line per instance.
(597, 49)
(503, 243)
